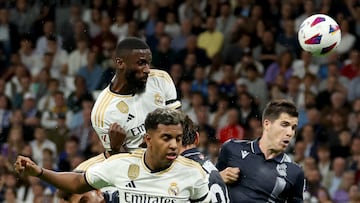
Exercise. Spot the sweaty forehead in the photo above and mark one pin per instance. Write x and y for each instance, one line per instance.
(137, 54)
(284, 117)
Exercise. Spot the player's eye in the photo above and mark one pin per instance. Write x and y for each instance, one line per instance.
(142, 62)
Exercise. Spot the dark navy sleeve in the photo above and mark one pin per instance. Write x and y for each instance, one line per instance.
(299, 189)
(222, 162)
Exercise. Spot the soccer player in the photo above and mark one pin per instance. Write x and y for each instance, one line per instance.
(135, 91)
(259, 171)
(190, 142)
(154, 174)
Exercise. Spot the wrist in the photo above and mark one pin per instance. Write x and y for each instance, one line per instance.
(41, 173)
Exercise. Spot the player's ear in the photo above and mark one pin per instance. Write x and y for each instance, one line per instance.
(119, 61)
(266, 123)
(197, 139)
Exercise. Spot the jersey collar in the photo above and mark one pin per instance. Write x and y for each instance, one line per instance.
(190, 152)
(255, 149)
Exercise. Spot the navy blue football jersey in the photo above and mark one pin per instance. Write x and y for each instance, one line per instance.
(217, 186)
(274, 180)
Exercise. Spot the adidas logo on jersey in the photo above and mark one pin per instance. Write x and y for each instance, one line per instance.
(130, 117)
(131, 184)
(244, 154)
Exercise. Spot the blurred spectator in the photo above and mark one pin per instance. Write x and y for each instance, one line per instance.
(42, 41)
(247, 109)
(348, 40)
(68, 28)
(60, 58)
(213, 149)
(59, 134)
(94, 4)
(5, 115)
(232, 129)
(141, 13)
(282, 66)
(256, 85)
(94, 22)
(74, 100)
(46, 102)
(338, 170)
(13, 85)
(211, 40)
(49, 118)
(192, 48)
(227, 83)
(324, 163)
(27, 53)
(225, 21)
(247, 59)
(185, 93)
(352, 68)
(78, 57)
(202, 117)
(164, 55)
(342, 193)
(91, 72)
(234, 51)
(9, 34)
(154, 39)
(39, 144)
(10, 195)
(268, 50)
(343, 149)
(120, 27)
(197, 24)
(32, 115)
(200, 82)
(218, 118)
(81, 126)
(172, 28)
(23, 16)
(70, 151)
(104, 34)
(178, 42)
(354, 91)
(14, 144)
(46, 13)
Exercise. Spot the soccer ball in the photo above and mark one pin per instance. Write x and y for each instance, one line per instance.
(319, 34)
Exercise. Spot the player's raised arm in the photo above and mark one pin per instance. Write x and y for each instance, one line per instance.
(67, 181)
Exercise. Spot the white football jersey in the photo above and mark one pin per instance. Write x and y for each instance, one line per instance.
(183, 181)
(130, 111)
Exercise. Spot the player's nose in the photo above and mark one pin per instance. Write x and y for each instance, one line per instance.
(146, 69)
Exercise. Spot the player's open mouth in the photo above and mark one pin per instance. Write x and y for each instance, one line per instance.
(171, 156)
(285, 142)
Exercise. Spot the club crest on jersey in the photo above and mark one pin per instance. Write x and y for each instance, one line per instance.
(173, 189)
(281, 169)
(133, 171)
(158, 99)
(123, 107)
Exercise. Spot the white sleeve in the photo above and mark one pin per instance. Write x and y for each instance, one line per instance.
(99, 175)
(170, 92)
(200, 191)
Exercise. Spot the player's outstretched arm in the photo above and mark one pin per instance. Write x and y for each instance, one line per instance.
(67, 181)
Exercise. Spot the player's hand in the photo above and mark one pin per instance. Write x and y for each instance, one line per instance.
(117, 136)
(26, 166)
(230, 174)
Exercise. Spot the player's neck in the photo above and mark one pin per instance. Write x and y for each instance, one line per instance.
(118, 86)
(151, 165)
(267, 149)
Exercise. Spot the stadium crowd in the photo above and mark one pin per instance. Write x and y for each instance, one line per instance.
(226, 58)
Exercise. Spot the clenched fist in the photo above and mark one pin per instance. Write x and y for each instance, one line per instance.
(230, 174)
(26, 166)
(117, 136)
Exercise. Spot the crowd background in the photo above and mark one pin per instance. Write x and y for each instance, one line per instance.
(227, 60)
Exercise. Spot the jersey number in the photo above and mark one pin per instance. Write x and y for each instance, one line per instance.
(217, 194)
